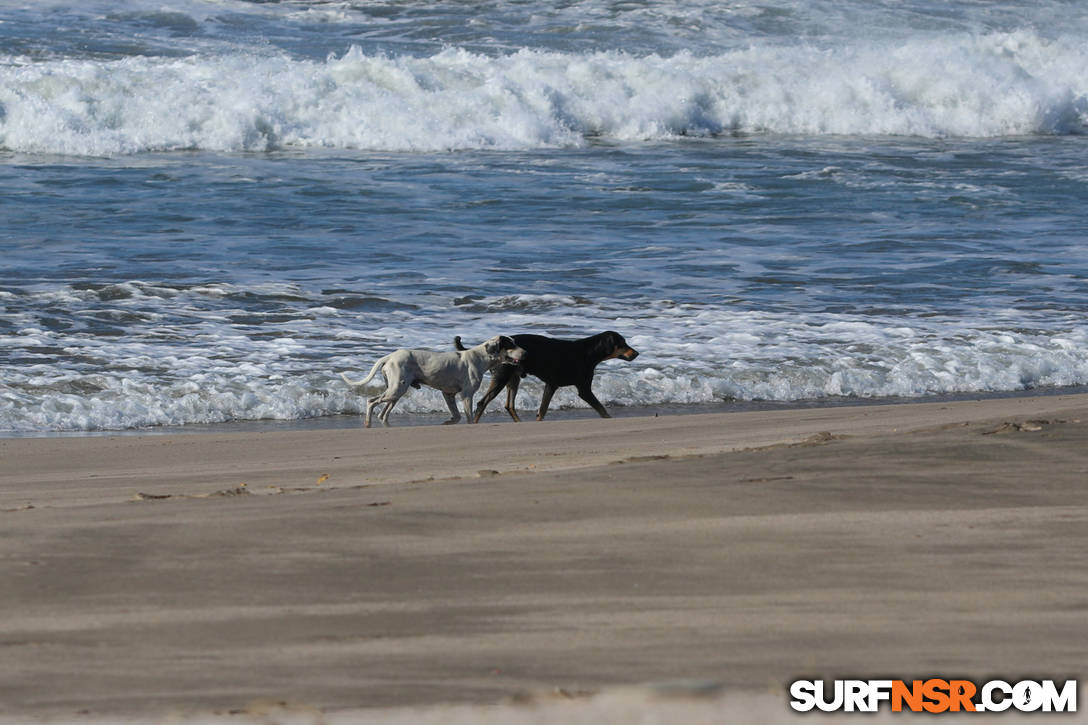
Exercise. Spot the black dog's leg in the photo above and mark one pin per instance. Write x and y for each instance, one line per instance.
(545, 400)
(512, 396)
(491, 391)
(499, 377)
(586, 394)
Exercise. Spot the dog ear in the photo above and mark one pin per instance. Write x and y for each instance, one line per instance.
(618, 341)
(606, 344)
(492, 346)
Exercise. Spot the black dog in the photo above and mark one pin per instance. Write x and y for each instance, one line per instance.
(557, 363)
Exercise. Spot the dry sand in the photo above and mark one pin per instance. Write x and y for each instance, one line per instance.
(344, 571)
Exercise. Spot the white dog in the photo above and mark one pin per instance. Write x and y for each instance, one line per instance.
(457, 374)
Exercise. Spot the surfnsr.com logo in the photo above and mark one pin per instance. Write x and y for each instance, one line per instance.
(934, 695)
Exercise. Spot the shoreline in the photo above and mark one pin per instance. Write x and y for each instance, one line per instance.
(495, 414)
(353, 571)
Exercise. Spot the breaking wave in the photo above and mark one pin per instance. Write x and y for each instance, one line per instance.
(939, 85)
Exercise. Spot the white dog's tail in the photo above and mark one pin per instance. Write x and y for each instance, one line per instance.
(373, 371)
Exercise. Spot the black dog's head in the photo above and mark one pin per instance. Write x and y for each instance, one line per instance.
(503, 348)
(612, 345)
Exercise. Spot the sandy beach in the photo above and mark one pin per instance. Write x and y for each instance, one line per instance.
(354, 573)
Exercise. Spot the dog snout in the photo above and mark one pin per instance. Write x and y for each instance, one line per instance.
(629, 354)
(516, 355)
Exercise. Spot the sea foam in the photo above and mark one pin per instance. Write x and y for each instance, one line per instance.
(944, 84)
(188, 363)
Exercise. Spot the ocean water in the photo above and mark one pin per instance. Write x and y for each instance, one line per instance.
(210, 208)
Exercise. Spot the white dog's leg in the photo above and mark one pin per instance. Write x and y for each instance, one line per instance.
(452, 405)
(466, 401)
(396, 390)
(370, 403)
(384, 417)
(392, 396)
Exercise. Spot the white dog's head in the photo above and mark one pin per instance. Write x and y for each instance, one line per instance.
(503, 349)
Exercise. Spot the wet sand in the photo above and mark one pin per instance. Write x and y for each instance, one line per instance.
(342, 571)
